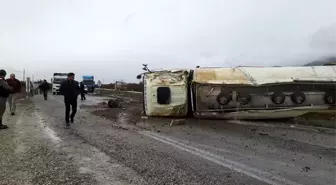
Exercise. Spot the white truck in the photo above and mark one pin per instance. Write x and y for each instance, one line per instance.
(57, 80)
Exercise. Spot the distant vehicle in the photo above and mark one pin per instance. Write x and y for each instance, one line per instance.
(89, 82)
(57, 80)
(99, 84)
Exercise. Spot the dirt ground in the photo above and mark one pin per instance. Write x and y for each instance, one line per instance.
(132, 109)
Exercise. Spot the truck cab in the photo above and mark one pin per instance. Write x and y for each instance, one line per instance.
(89, 83)
(57, 79)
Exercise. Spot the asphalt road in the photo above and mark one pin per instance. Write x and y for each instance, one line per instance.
(39, 149)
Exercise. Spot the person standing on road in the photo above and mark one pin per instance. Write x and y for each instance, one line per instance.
(93, 88)
(32, 89)
(70, 90)
(5, 90)
(82, 91)
(44, 88)
(16, 86)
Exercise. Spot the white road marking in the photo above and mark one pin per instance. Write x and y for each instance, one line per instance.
(220, 160)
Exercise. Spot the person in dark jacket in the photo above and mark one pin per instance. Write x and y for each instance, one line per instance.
(70, 90)
(5, 90)
(13, 97)
(44, 87)
(82, 91)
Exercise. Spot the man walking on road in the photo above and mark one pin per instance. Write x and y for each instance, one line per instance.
(5, 89)
(16, 86)
(44, 87)
(70, 90)
(82, 91)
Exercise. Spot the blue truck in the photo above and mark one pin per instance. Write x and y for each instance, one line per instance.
(89, 82)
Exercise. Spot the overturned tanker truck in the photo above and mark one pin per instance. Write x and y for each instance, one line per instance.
(239, 93)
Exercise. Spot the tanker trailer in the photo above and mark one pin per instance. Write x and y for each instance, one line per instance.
(239, 93)
(262, 92)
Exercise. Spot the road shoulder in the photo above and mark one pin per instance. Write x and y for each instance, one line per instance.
(29, 157)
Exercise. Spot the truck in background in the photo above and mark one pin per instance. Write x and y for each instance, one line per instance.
(57, 80)
(89, 82)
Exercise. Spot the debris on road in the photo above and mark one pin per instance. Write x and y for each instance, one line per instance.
(263, 134)
(103, 103)
(253, 129)
(115, 103)
(177, 122)
(306, 169)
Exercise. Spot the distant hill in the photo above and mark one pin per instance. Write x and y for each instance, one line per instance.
(328, 61)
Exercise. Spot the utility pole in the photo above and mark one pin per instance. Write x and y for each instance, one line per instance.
(24, 75)
(28, 87)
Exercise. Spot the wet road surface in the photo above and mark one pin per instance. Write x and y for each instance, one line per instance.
(39, 149)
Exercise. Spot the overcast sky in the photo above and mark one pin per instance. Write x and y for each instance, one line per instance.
(110, 39)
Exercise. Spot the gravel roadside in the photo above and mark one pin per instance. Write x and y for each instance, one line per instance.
(28, 156)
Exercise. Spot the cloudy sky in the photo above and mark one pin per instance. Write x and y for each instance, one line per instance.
(110, 39)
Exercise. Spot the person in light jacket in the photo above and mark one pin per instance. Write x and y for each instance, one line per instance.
(14, 95)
